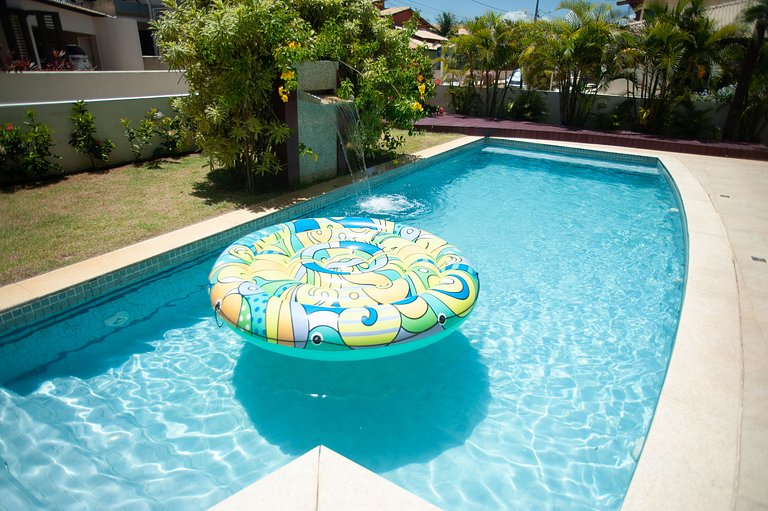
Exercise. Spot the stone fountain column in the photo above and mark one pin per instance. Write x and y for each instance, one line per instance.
(312, 116)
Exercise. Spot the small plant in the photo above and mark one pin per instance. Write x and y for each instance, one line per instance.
(687, 121)
(139, 137)
(27, 152)
(58, 61)
(83, 138)
(308, 152)
(620, 116)
(169, 129)
(464, 100)
(528, 106)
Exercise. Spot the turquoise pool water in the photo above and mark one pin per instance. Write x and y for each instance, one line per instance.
(540, 401)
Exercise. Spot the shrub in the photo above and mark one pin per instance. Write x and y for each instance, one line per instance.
(83, 138)
(686, 121)
(140, 137)
(169, 129)
(27, 153)
(240, 62)
(529, 105)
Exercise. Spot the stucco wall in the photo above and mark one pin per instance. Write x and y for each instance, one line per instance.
(715, 113)
(42, 86)
(107, 113)
(119, 46)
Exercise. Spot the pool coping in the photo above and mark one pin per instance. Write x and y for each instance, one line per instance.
(690, 457)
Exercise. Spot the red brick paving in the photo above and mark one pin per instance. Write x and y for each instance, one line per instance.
(450, 123)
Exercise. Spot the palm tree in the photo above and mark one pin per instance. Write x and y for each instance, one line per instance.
(677, 53)
(705, 47)
(492, 45)
(581, 52)
(660, 47)
(757, 13)
(447, 24)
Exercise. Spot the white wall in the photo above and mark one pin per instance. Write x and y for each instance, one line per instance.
(70, 21)
(107, 113)
(44, 86)
(605, 103)
(119, 46)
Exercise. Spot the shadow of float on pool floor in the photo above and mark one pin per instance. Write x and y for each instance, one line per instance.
(383, 413)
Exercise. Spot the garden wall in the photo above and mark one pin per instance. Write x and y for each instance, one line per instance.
(107, 112)
(714, 113)
(45, 86)
(110, 96)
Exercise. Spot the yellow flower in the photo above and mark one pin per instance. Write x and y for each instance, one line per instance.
(294, 44)
(416, 106)
(283, 94)
(422, 88)
(420, 78)
(287, 75)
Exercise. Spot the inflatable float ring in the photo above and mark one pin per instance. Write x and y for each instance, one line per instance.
(342, 288)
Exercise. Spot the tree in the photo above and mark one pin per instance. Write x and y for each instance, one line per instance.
(492, 45)
(581, 51)
(447, 24)
(678, 52)
(239, 58)
(757, 13)
(388, 80)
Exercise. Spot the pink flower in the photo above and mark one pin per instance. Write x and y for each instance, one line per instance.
(437, 81)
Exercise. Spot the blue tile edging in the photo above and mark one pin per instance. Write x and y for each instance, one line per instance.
(35, 310)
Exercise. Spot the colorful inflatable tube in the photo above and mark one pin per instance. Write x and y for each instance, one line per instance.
(342, 288)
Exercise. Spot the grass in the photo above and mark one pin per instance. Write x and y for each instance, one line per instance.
(52, 224)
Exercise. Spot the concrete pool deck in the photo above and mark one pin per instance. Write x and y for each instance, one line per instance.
(709, 438)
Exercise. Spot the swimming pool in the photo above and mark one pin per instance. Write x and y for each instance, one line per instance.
(541, 400)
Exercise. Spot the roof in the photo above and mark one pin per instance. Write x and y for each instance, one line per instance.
(428, 36)
(393, 10)
(74, 7)
(419, 43)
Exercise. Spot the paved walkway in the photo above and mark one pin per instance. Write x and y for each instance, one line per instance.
(739, 191)
(451, 123)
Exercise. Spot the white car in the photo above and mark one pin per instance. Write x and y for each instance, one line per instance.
(515, 80)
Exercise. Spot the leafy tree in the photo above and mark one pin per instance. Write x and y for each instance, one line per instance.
(240, 60)
(757, 14)
(389, 80)
(233, 54)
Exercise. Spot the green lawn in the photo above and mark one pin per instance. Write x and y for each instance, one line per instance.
(83, 215)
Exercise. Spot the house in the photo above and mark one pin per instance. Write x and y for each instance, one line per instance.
(722, 12)
(109, 35)
(402, 15)
(425, 35)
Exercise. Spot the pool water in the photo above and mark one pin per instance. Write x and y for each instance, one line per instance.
(541, 400)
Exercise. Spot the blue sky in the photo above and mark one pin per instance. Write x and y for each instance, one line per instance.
(430, 9)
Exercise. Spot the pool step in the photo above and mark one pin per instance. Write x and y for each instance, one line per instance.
(319, 480)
